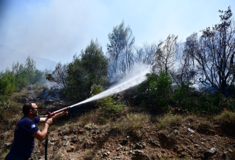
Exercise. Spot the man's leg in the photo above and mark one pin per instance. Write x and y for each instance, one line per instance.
(12, 156)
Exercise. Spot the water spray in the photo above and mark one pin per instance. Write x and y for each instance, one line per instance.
(123, 85)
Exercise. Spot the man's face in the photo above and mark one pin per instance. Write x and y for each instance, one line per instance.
(34, 110)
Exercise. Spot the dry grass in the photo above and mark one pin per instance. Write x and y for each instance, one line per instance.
(204, 122)
(3, 153)
(83, 139)
(90, 126)
(86, 118)
(89, 154)
(57, 156)
(39, 89)
(185, 158)
(191, 120)
(19, 96)
(226, 117)
(169, 120)
(12, 114)
(131, 122)
(53, 127)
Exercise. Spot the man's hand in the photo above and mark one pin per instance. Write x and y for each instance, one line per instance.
(57, 115)
(49, 121)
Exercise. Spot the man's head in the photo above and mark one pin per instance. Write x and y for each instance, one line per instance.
(30, 109)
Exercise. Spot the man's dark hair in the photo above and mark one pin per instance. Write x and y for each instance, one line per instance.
(26, 107)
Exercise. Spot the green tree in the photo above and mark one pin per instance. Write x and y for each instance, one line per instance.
(27, 74)
(85, 71)
(7, 84)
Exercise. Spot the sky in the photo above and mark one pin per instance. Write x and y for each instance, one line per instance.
(58, 29)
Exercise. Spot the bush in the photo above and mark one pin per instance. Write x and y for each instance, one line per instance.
(107, 106)
(90, 117)
(9, 109)
(184, 98)
(226, 117)
(131, 122)
(170, 120)
(156, 91)
(7, 85)
(85, 71)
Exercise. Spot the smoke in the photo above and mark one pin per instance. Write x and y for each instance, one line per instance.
(137, 69)
(55, 30)
(133, 78)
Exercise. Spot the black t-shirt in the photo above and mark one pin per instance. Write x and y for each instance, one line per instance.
(23, 140)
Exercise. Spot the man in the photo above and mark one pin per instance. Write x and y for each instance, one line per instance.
(26, 130)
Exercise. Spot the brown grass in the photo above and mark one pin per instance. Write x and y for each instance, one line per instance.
(86, 118)
(131, 122)
(169, 120)
(57, 156)
(83, 139)
(89, 154)
(39, 89)
(226, 117)
(3, 153)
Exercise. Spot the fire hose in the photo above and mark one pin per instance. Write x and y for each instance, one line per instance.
(49, 115)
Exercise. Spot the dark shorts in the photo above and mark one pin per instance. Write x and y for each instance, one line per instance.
(12, 156)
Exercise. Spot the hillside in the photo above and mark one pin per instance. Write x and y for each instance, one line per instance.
(133, 133)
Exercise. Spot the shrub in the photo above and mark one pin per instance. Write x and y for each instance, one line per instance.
(169, 120)
(156, 90)
(90, 126)
(90, 117)
(131, 122)
(226, 117)
(107, 106)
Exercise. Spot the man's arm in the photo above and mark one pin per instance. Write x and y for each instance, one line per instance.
(43, 120)
(41, 135)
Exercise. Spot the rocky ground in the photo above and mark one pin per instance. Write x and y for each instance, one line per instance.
(91, 142)
(192, 139)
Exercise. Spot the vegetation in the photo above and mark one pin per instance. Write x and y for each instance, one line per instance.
(156, 91)
(86, 70)
(169, 120)
(90, 71)
(108, 108)
(131, 122)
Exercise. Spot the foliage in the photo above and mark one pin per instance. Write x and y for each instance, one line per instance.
(157, 90)
(182, 97)
(85, 71)
(107, 106)
(7, 84)
(27, 74)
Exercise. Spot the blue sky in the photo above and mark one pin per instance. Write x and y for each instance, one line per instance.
(57, 29)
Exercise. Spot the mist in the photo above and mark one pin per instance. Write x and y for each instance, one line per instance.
(58, 29)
